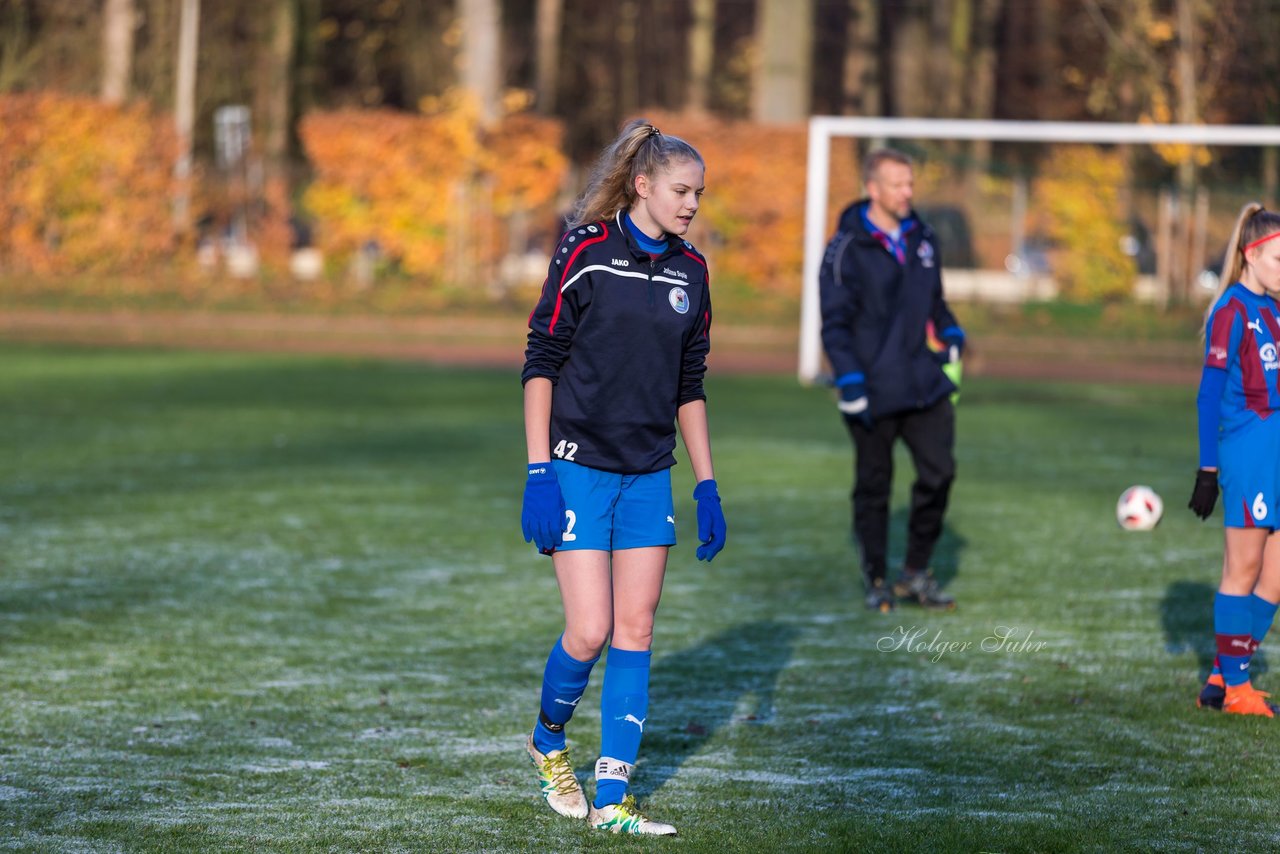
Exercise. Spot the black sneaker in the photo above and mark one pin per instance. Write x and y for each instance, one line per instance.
(879, 598)
(921, 587)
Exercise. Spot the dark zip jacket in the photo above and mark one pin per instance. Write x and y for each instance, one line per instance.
(875, 311)
(623, 337)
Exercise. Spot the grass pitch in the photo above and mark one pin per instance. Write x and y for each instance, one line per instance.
(260, 603)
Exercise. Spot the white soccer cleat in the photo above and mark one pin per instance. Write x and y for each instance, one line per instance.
(627, 818)
(559, 785)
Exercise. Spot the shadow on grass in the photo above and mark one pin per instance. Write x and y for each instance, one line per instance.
(946, 554)
(725, 680)
(1186, 615)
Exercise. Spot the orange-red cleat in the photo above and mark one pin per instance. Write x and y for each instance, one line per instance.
(1246, 700)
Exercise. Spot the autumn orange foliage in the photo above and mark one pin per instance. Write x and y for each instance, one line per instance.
(84, 187)
(410, 183)
(752, 215)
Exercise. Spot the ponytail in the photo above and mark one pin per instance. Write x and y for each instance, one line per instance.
(640, 149)
(1254, 222)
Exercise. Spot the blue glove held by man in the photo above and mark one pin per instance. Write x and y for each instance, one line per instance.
(953, 341)
(542, 517)
(853, 399)
(711, 526)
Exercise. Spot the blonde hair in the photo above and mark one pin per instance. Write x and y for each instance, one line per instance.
(1254, 222)
(640, 149)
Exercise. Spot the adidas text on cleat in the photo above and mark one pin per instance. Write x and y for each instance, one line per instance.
(1245, 700)
(921, 587)
(559, 785)
(627, 818)
(879, 597)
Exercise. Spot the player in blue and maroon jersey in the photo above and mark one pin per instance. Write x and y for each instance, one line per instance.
(1239, 437)
(617, 351)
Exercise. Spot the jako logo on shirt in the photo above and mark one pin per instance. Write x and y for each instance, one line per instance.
(679, 300)
(620, 262)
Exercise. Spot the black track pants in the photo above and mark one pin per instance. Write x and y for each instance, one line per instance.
(930, 437)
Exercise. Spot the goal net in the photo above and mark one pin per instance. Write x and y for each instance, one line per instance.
(1012, 224)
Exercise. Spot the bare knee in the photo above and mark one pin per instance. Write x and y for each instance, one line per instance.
(585, 642)
(634, 633)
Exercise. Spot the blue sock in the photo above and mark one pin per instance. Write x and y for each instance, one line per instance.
(624, 705)
(563, 681)
(1264, 614)
(1233, 627)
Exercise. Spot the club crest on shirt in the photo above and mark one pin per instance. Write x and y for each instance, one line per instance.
(925, 253)
(679, 300)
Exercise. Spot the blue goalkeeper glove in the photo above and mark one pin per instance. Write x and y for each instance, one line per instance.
(953, 339)
(853, 399)
(712, 530)
(542, 517)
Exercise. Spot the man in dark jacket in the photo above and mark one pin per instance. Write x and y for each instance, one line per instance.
(881, 289)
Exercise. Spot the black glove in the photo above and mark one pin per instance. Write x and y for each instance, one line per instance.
(1205, 494)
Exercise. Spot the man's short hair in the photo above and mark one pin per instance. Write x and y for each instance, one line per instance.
(874, 158)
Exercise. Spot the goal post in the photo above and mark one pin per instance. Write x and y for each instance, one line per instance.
(823, 129)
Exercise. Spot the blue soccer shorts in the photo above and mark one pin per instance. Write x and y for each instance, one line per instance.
(1249, 471)
(607, 511)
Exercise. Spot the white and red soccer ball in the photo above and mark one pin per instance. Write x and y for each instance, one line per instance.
(1139, 509)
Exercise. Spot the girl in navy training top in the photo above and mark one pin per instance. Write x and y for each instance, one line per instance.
(617, 350)
(1239, 406)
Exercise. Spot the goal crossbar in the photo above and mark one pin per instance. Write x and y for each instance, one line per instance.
(822, 129)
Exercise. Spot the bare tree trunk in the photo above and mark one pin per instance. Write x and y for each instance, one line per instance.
(909, 82)
(1048, 68)
(628, 62)
(277, 94)
(418, 37)
(481, 60)
(1187, 114)
(185, 110)
(118, 20)
(784, 33)
(550, 13)
(702, 38)
(1187, 111)
(862, 59)
(982, 74)
(944, 63)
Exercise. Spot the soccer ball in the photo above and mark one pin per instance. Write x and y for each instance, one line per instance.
(1139, 509)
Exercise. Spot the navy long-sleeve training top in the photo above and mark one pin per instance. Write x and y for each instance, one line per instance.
(623, 336)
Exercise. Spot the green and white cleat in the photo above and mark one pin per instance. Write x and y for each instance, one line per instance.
(627, 818)
(559, 785)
